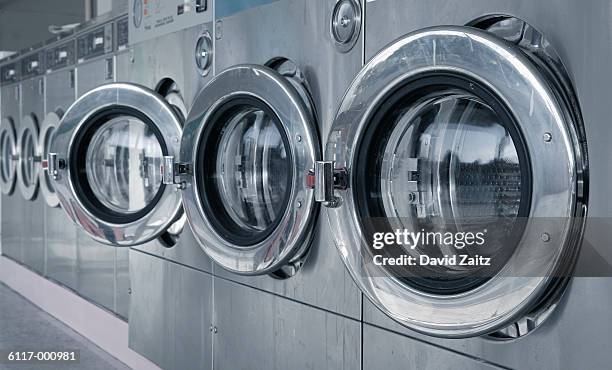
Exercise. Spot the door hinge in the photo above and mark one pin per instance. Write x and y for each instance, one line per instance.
(170, 170)
(324, 179)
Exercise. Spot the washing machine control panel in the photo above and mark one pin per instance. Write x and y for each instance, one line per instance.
(122, 33)
(152, 18)
(60, 56)
(95, 43)
(9, 73)
(33, 64)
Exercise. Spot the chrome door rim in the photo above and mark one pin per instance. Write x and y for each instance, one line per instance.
(147, 102)
(295, 228)
(51, 122)
(469, 52)
(29, 190)
(7, 127)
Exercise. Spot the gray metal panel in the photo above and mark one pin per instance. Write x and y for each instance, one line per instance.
(576, 336)
(60, 232)
(61, 250)
(11, 205)
(299, 30)
(122, 282)
(386, 350)
(32, 224)
(60, 93)
(93, 73)
(96, 271)
(322, 282)
(170, 313)
(122, 66)
(258, 330)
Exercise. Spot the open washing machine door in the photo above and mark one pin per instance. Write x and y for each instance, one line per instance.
(105, 159)
(454, 177)
(28, 167)
(248, 144)
(8, 156)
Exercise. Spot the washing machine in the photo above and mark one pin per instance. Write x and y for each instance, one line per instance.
(11, 116)
(252, 137)
(467, 117)
(60, 233)
(29, 162)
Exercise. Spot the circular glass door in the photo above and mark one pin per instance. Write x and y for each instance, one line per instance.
(29, 158)
(463, 207)
(109, 153)
(8, 154)
(250, 149)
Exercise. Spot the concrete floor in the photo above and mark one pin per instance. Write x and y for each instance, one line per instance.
(26, 327)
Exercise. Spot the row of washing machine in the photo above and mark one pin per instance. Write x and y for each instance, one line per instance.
(246, 152)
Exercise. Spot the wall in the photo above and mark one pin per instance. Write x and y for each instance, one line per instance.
(37, 15)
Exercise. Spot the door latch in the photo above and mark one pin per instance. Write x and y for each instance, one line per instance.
(51, 165)
(170, 170)
(324, 179)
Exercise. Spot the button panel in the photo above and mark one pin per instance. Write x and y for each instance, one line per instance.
(149, 19)
(95, 43)
(60, 56)
(122, 32)
(10, 73)
(32, 65)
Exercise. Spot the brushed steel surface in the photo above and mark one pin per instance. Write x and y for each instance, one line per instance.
(95, 271)
(391, 351)
(122, 282)
(170, 313)
(299, 30)
(253, 329)
(92, 74)
(12, 211)
(576, 334)
(32, 223)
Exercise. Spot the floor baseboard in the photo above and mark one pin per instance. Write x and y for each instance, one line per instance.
(103, 328)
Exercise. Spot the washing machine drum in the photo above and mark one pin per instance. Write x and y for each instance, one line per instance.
(458, 190)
